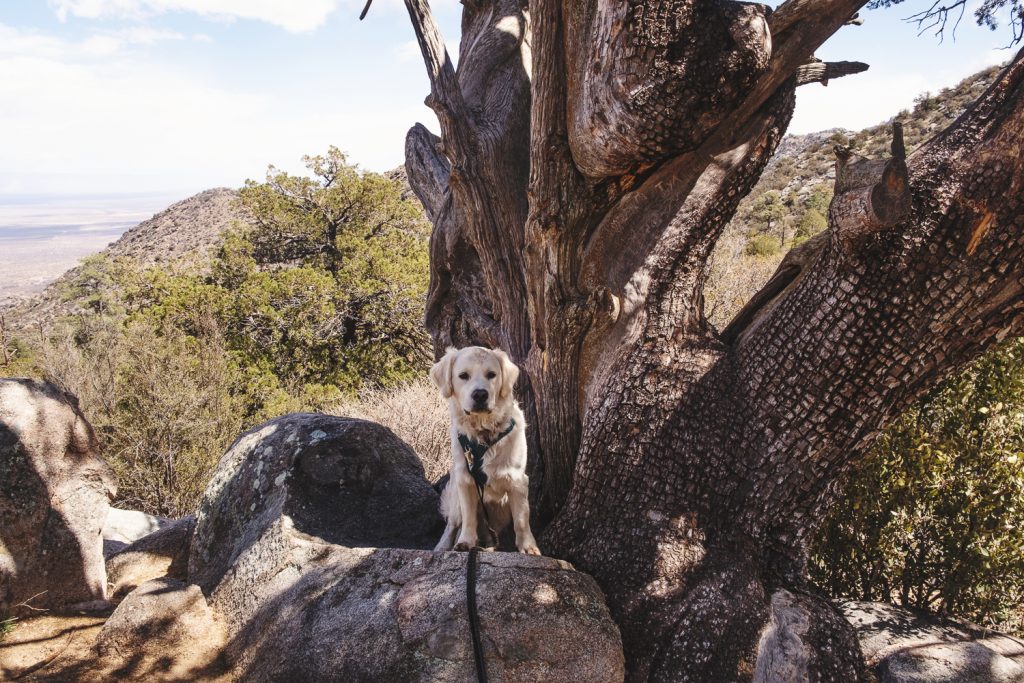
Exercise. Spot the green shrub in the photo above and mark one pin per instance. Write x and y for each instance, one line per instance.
(762, 245)
(934, 518)
(7, 625)
(811, 223)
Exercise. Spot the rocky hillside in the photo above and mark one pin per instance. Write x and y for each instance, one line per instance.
(180, 236)
(185, 230)
(790, 201)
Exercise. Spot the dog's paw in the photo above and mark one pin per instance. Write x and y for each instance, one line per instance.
(462, 547)
(530, 549)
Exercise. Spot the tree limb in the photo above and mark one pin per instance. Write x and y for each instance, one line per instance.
(905, 306)
(445, 96)
(427, 169)
(823, 72)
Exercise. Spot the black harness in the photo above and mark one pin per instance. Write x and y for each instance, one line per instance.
(475, 451)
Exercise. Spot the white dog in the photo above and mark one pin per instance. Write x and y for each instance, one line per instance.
(488, 448)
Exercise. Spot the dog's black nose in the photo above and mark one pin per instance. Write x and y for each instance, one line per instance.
(479, 396)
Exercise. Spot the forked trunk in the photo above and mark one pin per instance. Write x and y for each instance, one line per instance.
(590, 155)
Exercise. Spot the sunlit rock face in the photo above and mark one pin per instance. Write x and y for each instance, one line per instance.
(55, 491)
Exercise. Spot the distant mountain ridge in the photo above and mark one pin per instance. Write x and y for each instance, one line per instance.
(182, 235)
(185, 229)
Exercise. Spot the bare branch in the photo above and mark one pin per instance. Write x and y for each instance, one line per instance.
(938, 15)
(445, 95)
(427, 169)
(823, 72)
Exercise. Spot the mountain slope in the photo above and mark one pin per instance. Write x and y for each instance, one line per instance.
(180, 236)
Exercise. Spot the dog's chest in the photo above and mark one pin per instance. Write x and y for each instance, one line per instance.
(496, 466)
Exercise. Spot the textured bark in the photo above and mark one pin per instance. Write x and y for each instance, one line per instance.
(590, 155)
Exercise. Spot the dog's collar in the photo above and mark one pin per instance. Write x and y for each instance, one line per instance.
(474, 452)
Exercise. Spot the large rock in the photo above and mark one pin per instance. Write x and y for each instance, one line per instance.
(162, 631)
(54, 494)
(161, 553)
(904, 646)
(287, 547)
(305, 476)
(400, 615)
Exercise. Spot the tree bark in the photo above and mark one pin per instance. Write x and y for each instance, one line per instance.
(590, 156)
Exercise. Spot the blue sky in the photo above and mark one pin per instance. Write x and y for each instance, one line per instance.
(174, 96)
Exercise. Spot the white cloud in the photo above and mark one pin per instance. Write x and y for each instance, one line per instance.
(21, 43)
(77, 122)
(109, 43)
(17, 42)
(294, 15)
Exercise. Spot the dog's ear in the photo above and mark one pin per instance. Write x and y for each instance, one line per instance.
(441, 373)
(509, 373)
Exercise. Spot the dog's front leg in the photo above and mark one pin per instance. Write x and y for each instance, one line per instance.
(468, 503)
(451, 511)
(518, 501)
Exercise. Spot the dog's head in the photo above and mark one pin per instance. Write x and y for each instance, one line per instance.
(477, 378)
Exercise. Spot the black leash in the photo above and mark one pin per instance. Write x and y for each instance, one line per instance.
(474, 616)
(474, 452)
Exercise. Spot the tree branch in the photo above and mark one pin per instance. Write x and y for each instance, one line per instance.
(445, 96)
(823, 72)
(427, 169)
(869, 328)
(870, 195)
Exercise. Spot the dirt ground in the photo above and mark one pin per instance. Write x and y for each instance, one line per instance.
(51, 648)
(59, 648)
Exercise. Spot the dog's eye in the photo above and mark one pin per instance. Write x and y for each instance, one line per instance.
(463, 375)
(491, 375)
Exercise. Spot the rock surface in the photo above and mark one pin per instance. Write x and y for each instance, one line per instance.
(162, 631)
(400, 615)
(161, 553)
(288, 549)
(127, 526)
(55, 491)
(341, 480)
(907, 647)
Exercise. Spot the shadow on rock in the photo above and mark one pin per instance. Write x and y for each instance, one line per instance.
(54, 496)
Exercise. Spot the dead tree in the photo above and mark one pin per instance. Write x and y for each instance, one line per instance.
(590, 155)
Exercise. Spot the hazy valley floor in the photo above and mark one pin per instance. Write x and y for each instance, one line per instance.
(42, 236)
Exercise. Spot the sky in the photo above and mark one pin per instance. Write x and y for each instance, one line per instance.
(176, 96)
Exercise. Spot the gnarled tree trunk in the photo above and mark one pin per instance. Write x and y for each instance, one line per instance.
(590, 155)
